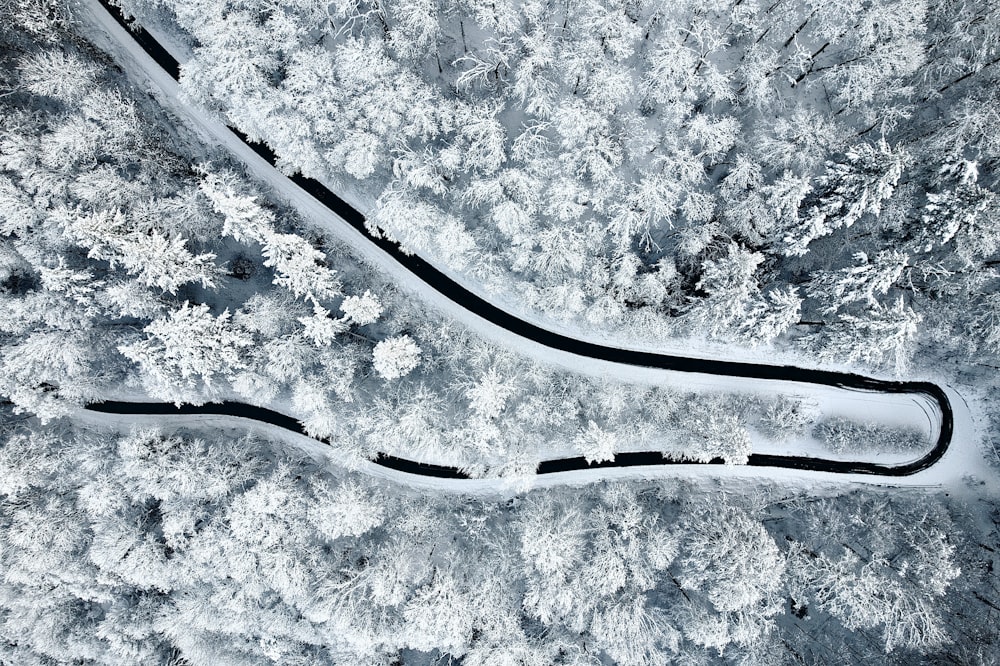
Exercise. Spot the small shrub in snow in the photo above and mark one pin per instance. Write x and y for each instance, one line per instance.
(843, 436)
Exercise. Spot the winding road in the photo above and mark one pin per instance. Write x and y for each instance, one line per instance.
(471, 302)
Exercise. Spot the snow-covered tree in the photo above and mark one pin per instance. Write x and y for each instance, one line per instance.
(362, 310)
(488, 396)
(165, 263)
(963, 211)
(985, 323)
(299, 267)
(156, 259)
(59, 74)
(552, 537)
(244, 218)
(731, 288)
(884, 335)
(320, 327)
(595, 443)
(850, 190)
(650, 204)
(633, 634)
(77, 285)
(440, 615)
(47, 372)
(730, 558)
(771, 315)
(414, 27)
(484, 138)
(713, 431)
(870, 278)
(345, 510)
(787, 417)
(868, 594)
(187, 349)
(395, 357)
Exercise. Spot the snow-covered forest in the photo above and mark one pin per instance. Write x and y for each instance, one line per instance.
(134, 267)
(810, 183)
(191, 548)
(742, 170)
